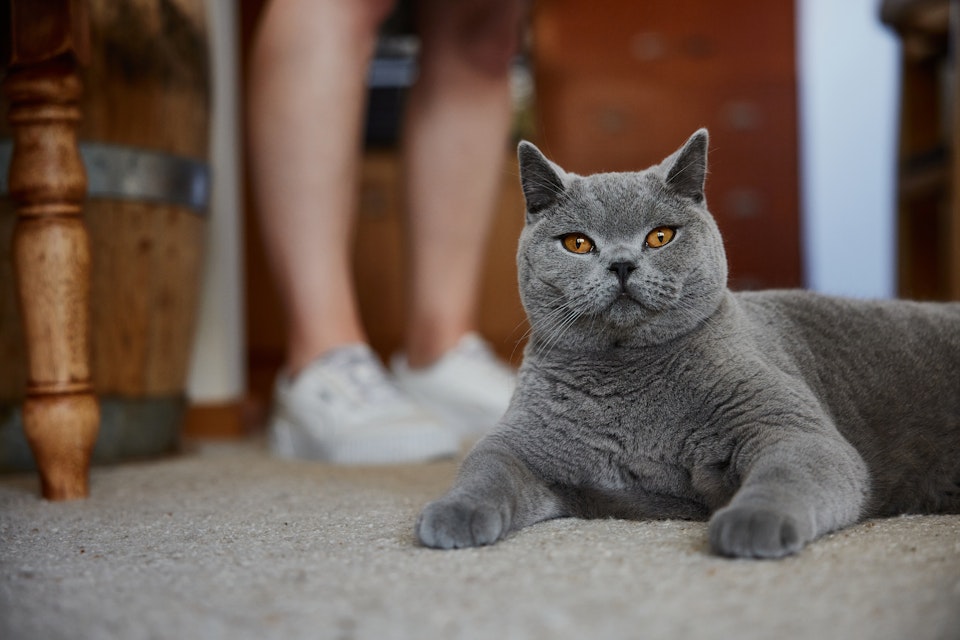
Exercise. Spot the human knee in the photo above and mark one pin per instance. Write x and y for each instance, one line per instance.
(487, 34)
(365, 16)
(373, 12)
(297, 24)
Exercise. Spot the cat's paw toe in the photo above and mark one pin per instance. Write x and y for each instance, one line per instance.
(458, 524)
(750, 532)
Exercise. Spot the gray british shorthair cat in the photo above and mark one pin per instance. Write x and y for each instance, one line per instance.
(649, 390)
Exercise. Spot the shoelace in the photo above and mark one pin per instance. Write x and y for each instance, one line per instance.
(363, 376)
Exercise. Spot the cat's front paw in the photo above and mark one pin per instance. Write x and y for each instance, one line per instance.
(755, 532)
(457, 523)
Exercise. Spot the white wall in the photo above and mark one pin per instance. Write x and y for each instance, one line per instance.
(218, 368)
(849, 86)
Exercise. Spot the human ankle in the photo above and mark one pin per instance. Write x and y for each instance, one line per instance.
(300, 355)
(426, 348)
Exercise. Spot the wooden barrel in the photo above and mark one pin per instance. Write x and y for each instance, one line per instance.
(144, 140)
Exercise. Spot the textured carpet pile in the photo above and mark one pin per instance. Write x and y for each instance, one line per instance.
(226, 542)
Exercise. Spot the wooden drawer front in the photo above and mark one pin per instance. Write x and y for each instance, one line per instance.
(661, 38)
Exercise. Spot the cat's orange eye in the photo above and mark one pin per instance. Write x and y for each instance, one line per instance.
(660, 236)
(577, 243)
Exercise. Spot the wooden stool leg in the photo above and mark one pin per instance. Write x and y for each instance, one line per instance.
(52, 262)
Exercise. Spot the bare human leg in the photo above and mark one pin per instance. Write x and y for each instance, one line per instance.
(458, 117)
(305, 110)
(333, 401)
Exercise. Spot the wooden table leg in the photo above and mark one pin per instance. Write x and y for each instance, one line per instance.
(51, 249)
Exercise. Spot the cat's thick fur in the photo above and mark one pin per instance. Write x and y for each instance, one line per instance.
(649, 390)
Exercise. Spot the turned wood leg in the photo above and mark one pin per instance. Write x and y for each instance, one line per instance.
(51, 249)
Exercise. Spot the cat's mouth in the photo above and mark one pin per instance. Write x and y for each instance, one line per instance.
(626, 298)
(626, 309)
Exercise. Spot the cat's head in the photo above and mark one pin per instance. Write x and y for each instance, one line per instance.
(618, 258)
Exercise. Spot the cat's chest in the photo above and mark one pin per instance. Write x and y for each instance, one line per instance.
(617, 424)
(636, 396)
(624, 424)
(634, 404)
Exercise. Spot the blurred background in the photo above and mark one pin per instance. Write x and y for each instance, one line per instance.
(803, 102)
(832, 155)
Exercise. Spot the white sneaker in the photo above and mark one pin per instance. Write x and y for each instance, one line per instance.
(343, 408)
(469, 387)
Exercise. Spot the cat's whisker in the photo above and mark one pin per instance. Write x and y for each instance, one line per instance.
(566, 315)
(523, 336)
(549, 330)
(545, 326)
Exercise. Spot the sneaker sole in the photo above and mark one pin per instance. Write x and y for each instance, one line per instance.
(289, 440)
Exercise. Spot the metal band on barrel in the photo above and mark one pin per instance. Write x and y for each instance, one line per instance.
(117, 172)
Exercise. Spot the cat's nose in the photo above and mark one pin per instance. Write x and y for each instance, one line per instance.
(623, 271)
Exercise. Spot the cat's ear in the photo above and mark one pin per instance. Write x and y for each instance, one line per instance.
(540, 179)
(687, 168)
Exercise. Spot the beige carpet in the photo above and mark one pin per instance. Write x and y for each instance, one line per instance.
(225, 542)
